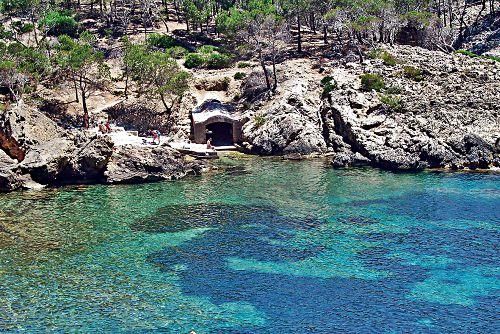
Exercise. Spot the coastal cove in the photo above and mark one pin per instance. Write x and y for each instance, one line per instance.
(260, 245)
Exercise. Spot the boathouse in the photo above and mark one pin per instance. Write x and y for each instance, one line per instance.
(218, 121)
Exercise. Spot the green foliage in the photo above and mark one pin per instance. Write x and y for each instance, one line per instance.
(329, 84)
(176, 52)
(22, 28)
(239, 75)
(418, 19)
(161, 41)
(156, 73)
(467, 53)
(207, 56)
(243, 64)
(259, 120)
(495, 58)
(371, 81)
(387, 58)
(194, 60)
(134, 59)
(217, 61)
(413, 73)
(391, 102)
(77, 54)
(393, 90)
(238, 18)
(59, 23)
(34, 61)
(207, 49)
(7, 6)
(474, 55)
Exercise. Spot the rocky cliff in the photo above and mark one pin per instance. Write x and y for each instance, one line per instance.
(434, 110)
(34, 152)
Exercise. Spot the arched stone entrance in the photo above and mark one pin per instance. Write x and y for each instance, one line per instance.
(221, 133)
(218, 121)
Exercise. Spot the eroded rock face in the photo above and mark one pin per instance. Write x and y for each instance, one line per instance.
(62, 157)
(290, 123)
(9, 180)
(132, 164)
(449, 119)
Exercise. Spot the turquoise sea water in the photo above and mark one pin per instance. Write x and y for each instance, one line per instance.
(262, 247)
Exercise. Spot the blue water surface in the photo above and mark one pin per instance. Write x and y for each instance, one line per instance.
(262, 246)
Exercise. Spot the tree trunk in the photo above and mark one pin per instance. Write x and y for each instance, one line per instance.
(85, 111)
(299, 35)
(275, 77)
(266, 74)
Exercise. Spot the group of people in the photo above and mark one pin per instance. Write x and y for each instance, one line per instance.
(105, 127)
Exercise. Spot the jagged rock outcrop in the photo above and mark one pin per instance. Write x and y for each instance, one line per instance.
(132, 164)
(9, 180)
(450, 118)
(49, 155)
(290, 122)
(437, 110)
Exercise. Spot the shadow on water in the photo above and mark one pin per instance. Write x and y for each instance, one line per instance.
(175, 218)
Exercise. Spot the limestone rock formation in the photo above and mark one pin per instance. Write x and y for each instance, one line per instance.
(290, 122)
(9, 180)
(132, 164)
(34, 151)
(449, 118)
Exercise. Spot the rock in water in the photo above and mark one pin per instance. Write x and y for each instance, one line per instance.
(133, 164)
(9, 180)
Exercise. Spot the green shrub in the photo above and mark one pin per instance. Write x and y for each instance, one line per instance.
(467, 53)
(329, 84)
(206, 49)
(375, 53)
(386, 57)
(217, 61)
(259, 120)
(495, 58)
(59, 23)
(391, 102)
(23, 28)
(176, 52)
(239, 75)
(413, 73)
(393, 90)
(371, 81)
(161, 41)
(473, 55)
(243, 64)
(194, 60)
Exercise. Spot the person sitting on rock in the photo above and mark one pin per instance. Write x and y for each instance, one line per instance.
(209, 144)
(102, 128)
(108, 127)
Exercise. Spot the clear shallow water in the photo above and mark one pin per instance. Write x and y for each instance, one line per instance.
(265, 247)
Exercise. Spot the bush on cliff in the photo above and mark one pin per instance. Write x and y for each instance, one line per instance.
(329, 84)
(371, 81)
(393, 103)
(413, 73)
(386, 57)
(161, 41)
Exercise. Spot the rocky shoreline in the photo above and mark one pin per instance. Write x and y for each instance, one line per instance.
(447, 119)
(37, 153)
(436, 110)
